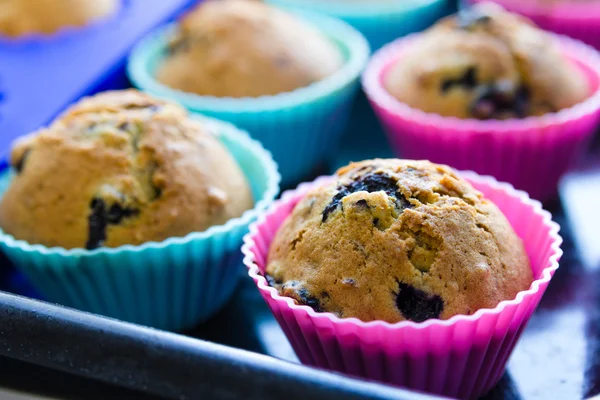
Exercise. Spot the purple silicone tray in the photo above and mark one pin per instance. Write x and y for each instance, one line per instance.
(40, 75)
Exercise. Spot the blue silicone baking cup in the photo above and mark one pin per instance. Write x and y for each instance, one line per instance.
(301, 128)
(380, 21)
(174, 284)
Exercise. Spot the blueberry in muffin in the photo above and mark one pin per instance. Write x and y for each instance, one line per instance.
(397, 240)
(486, 63)
(120, 168)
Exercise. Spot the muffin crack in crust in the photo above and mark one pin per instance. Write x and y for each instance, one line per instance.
(121, 168)
(397, 240)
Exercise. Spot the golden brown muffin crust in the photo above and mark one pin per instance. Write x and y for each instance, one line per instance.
(397, 240)
(486, 64)
(22, 17)
(240, 48)
(120, 168)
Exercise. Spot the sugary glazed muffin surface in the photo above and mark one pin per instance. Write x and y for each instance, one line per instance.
(397, 240)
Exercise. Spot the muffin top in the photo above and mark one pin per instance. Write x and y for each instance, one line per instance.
(22, 17)
(486, 63)
(120, 168)
(242, 48)
(397, 240)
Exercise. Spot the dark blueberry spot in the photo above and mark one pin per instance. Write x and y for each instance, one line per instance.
(100, 218)
(447, 84)
(311, 301)
(124, 126)
(97, 224)
(180, 45)
(494, 103)
(362, 204)
(368, 183)
(467, 81)
(324, 295)
(272, 281)
(375, 221)
(20, 163)
(116, 213)
(417, 305)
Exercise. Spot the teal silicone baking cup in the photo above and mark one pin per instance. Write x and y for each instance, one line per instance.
(379, 21)
(174, 284)
(301, 128)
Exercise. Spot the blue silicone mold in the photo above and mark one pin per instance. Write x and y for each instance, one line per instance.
(40, 75)
(380, 21)
(173, 284)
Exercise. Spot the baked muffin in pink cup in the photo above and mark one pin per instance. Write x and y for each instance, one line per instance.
(489, 92)
(432, 341)
(579, 19)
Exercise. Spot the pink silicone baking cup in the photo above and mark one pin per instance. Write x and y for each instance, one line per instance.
(579, 20)
(531, 153)
(463, 357)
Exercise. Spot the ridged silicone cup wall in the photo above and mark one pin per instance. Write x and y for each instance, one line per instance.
(173, 284)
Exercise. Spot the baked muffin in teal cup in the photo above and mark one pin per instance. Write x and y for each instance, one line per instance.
(128, 207)
(380, 21)
(289, 79)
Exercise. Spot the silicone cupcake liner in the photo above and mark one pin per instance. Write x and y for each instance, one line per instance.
(532, 153)
(37, 82)
(580, 20)
(380, 22)
(463, 357)
(301, 128)
(172, 285)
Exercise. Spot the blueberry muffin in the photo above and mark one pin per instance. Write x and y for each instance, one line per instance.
(120, 168)
(397, 240)
(242, 48)
(486, 63)
(22, 17)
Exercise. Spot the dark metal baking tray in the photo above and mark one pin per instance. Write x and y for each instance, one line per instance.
(243, 354)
